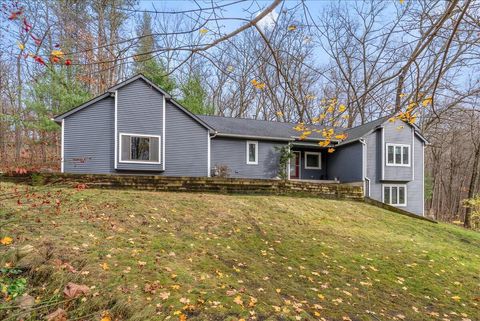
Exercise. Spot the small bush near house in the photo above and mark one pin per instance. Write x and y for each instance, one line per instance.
(474, 204)
(221, 171)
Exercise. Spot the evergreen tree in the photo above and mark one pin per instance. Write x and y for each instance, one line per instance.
(52, 94)
(145, 63)
(194, 96)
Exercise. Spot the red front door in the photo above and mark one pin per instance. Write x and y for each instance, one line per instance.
(295, 166)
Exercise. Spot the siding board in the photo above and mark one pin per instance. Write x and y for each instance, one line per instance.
(139, 111)
(233, 153)
(397, 133)
(345, 163)
(186, 149)
(89, 140)
(396, 174)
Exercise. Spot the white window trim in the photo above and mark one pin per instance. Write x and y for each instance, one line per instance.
(116, 131)
(398, 145)
(140, 162)
(398, 196)
(62, 157)
(249, 142)
(319, 160)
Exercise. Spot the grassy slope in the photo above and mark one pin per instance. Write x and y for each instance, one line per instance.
(286, 257)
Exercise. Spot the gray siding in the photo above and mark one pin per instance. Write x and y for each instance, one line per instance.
(416, 188)
(89, 140)
(233, 153)
(411, 176)
(139, 111)
(397, 133)
(345, 163)
(186, 146)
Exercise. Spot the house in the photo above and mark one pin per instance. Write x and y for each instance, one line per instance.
(137, 128)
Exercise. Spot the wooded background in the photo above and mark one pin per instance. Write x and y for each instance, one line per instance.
(284, 61)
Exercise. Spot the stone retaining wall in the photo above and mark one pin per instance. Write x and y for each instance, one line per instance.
(196, 184)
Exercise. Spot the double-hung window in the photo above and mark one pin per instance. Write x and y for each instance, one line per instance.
(313, 160)
(252, 152)
(398, 155)
(137, 148)
(395, 194)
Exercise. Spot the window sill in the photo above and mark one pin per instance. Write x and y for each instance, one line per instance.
(397, 165)
(140, 162)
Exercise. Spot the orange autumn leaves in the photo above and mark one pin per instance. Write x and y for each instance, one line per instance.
(331, 112)
(258, 85)
(6, 240)
(55, 56)
(410, 114)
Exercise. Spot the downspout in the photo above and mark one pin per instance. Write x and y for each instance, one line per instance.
(364, 168)
(209, 156)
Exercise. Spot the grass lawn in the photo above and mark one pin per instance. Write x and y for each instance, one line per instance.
(186, 256)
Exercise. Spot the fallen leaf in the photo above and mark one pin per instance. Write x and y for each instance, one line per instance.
(6, 240)
(73, 290)
(238, 300)
(57, 315)
(164, 295)
(106, 316)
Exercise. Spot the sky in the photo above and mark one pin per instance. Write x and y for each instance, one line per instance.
(246, 9)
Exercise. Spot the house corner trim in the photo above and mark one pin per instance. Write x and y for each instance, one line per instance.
(62, 148)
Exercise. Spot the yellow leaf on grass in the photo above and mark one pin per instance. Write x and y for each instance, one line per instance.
(456, 298)
(106, 316)
(104, 266)
(6, 240)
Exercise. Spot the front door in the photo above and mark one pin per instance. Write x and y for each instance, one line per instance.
(295, 166)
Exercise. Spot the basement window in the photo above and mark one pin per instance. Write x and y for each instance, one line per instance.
(137, 148)
(395, 194)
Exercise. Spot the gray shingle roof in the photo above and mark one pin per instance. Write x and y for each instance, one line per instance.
(358, 132)
(281, 130)
(258, 128)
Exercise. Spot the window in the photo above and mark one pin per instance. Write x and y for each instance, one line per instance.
(136, 148)
(398, 155)
(395, 195)
(312, 160)
(252, 153)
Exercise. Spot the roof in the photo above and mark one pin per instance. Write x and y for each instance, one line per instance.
(244, 127)
(358, 132)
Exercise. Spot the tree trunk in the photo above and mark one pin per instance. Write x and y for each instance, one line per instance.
(471, 191)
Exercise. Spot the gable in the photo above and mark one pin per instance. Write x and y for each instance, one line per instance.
(131, 82)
